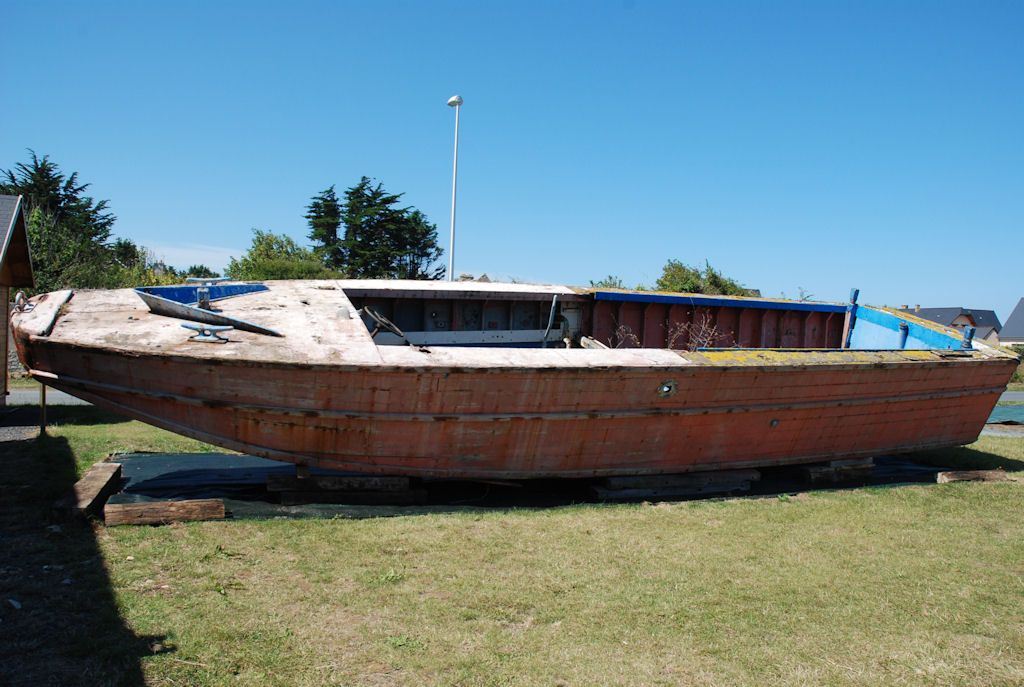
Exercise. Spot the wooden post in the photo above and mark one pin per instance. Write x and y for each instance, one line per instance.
(42, 409)
(851, 318)
(5, 341)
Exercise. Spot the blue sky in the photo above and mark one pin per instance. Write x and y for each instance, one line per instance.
(792, 144)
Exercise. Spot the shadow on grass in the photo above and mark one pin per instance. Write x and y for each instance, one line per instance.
(59, 620)
(963, 458)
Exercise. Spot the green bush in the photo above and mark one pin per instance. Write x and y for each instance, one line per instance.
(1018, 376)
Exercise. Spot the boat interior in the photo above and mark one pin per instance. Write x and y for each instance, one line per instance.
(471, 314)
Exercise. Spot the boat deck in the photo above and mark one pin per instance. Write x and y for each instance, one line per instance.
(319, 326)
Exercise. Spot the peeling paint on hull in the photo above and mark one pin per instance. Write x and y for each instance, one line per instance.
(464, 414)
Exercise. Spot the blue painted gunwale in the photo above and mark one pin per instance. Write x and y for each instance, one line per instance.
(883, 328)
(188, 295)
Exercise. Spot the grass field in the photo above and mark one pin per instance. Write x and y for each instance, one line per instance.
(22, 383)
(913, 585)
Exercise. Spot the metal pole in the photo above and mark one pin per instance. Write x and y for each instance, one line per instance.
(455, 177)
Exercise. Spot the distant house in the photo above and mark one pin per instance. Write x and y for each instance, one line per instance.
(985, 322)
(1013, 332)
(15, 266)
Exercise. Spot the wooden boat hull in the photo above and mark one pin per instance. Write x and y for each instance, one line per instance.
(535, 423)
(421, 414)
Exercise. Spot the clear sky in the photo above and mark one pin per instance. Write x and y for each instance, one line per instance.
(820, 145)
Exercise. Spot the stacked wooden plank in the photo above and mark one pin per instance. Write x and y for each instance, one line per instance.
(163, 512)
(91, 491)
(675, 486)
(978, 476)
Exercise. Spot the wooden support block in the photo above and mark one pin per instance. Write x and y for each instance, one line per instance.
(978, 476)
(685, 480)
(337, 483)
(605, 494)
(851, 463)
(355, 498)
(92, 491)
(163, 512)
(838, 471)
(675, 486)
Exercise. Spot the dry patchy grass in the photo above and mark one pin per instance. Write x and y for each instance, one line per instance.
(916, 585)
(910, 585)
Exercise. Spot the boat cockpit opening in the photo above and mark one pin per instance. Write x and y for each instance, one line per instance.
(452, 319)
(621, 319)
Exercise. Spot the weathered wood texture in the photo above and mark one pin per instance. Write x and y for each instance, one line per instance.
(659, 325)
(5, 299)
(517, 423)
(838, 471)
(92, 490)
(163, 512)
(978, 476)
(651, 487)
(325, 395)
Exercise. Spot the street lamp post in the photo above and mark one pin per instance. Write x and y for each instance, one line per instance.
(456, 102)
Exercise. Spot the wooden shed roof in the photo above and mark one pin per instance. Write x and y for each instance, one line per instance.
(15, 256)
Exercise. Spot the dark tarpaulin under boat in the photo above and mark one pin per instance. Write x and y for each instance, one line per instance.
(518, 381)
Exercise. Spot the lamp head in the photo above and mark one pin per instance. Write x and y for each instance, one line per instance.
(455, 101)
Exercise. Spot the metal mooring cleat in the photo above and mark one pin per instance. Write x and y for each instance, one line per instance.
(207, 333)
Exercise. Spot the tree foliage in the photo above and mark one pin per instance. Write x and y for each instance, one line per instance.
(198, 271)
(382, 240)
(276, 256)
(609, 282)
(416, 250)
(68, 231)
(135, 265)
(1018, 375)
(677, 277)
(324, 217)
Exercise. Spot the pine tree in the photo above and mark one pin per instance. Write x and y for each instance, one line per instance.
(67, 230)
(324, 217)
(417, 249)
(385, 241)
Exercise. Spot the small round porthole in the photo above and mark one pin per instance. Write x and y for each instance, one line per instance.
(666, 389)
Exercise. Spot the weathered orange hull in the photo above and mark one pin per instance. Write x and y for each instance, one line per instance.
(535, 423)
(488, 420)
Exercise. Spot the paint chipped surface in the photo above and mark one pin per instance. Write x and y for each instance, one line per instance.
(325, 394)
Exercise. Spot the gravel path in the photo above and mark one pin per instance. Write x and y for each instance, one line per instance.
(30, 397)
(18, 433)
